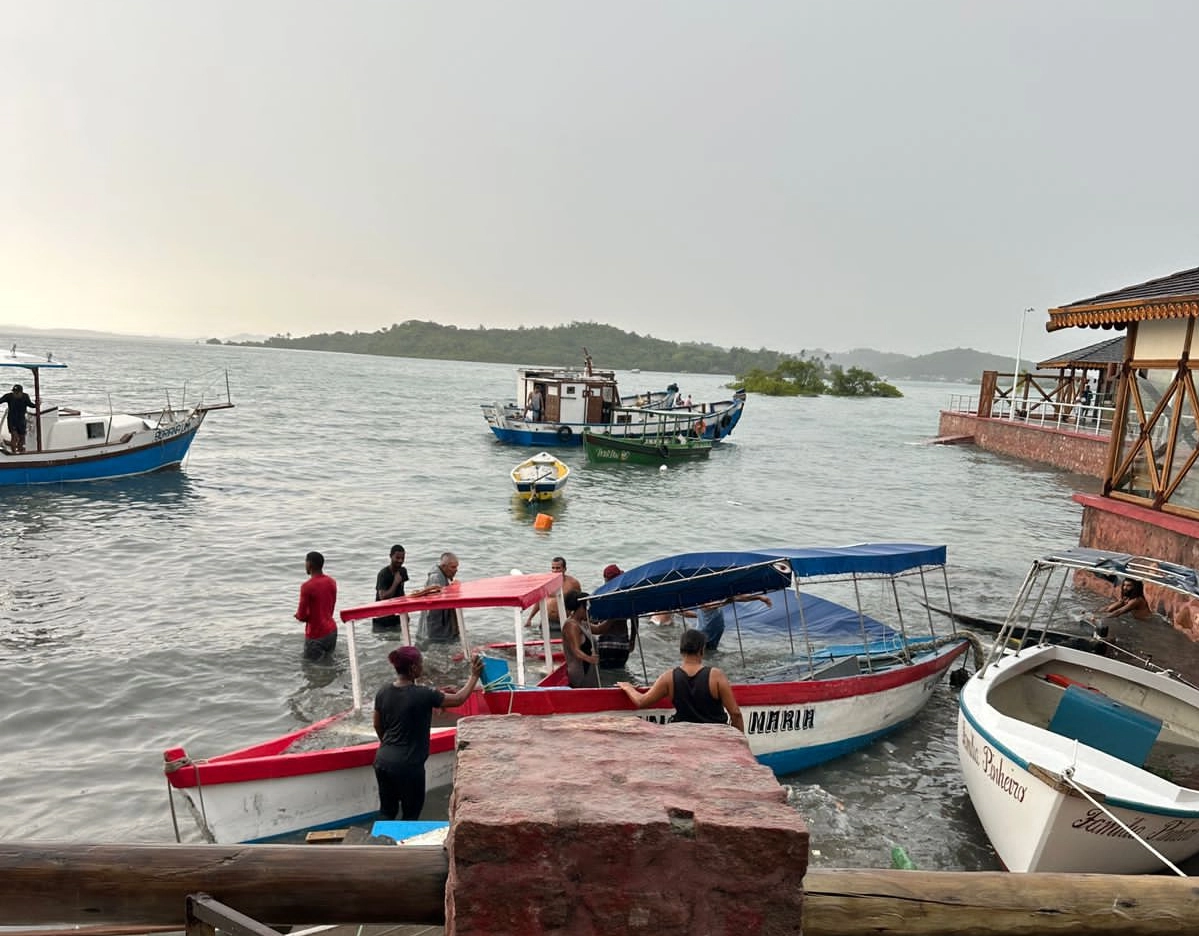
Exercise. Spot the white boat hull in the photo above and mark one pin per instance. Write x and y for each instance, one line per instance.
(317, 790)
(1017, 770)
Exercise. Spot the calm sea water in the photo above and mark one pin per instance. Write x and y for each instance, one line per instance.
(149, 612)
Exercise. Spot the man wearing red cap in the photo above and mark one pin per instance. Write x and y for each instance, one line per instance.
(616, 638)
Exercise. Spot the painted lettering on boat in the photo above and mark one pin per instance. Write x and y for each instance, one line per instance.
(613, 454)
(1171, 830)
(770, 721)
(170, 431)
(992, 764)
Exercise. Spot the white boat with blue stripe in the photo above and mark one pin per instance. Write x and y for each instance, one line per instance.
(555, 405)
(1075, 761)
(62, 444)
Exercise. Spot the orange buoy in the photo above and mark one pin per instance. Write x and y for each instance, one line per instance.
(543, 522)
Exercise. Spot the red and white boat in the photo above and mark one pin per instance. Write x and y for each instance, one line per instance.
(827, 677)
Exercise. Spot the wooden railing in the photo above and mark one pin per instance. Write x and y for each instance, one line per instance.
(1050, 401)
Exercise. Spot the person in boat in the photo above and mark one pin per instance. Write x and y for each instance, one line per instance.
(1130, 600)
(618, 637)
(699, 693)
(19, 404)
(318, 596)
(440, 625)
(578, 643)
(536, 403)
(403, 717)
(710, 616)
(569, 584)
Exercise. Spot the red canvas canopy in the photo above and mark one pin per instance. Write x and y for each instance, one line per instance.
(505, 591)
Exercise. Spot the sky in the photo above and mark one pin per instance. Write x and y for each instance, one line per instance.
(906, 176)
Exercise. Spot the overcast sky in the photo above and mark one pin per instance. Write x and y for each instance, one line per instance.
(907, 176)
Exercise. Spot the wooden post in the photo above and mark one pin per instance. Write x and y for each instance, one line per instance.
(149, 884)
(947, 903)
(42, 883)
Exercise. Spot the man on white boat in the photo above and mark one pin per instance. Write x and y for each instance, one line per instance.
(19, 404)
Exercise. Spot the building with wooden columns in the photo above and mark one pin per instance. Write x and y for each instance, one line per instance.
(1149, 503)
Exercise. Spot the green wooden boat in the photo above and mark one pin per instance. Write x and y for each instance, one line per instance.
(644, 450)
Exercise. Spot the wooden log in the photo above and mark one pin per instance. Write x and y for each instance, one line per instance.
(274, 884)
(278, 884)
(946, 903)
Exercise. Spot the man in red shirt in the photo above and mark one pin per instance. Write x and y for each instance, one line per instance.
(317, 597)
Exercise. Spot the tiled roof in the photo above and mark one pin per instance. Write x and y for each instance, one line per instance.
(1093, 356)
(1184, 283)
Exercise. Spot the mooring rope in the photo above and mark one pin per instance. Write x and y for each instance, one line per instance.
(1068, 776)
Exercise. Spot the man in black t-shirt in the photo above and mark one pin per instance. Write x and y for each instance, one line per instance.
(18, 404)
(390, 584)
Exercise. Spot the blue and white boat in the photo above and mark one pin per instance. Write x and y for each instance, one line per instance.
(574, 400)
(843, 654)
(68, 444)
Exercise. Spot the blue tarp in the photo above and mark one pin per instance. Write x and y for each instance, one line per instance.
(690, 579)
(828, 623)
(1110, 565)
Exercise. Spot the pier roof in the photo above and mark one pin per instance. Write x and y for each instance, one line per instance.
(1173, 296)
(1093, 356)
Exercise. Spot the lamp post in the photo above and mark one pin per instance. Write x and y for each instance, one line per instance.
(1016, 373)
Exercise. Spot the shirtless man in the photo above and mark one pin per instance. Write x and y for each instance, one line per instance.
(1131, 601)
(569, 584)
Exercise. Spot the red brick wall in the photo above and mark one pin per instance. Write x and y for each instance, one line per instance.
(1071, 451)
(1123, 527)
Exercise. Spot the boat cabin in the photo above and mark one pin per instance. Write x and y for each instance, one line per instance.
(62, 428)
(570, 395)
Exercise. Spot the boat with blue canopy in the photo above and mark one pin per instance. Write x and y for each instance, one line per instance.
(844, 656)
(844, 624)
(45, 443)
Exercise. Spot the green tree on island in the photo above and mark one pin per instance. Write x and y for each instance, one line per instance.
(813, 376)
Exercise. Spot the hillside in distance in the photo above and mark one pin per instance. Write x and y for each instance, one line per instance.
(963, 364)
(611, 347)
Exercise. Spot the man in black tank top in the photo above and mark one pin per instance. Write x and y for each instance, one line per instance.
(699, 693)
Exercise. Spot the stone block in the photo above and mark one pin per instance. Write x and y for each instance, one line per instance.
(612, 824)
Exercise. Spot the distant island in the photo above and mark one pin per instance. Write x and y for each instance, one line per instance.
(815, 376)
(616, 349)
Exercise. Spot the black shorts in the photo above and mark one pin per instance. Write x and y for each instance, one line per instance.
(315, 649)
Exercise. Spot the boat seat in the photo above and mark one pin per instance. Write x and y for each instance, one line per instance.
(1100, 722)
(496, 674)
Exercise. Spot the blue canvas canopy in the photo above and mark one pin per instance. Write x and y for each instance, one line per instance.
(691, 579)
